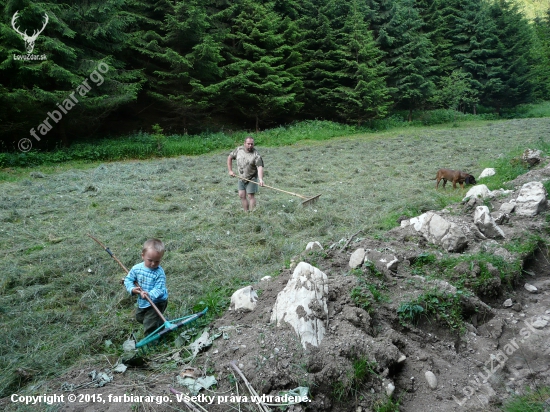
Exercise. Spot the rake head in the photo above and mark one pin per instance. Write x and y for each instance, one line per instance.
(310, 201)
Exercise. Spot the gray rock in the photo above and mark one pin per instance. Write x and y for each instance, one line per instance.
(487, 172)
(311, 246)
(507, 207)
(357, 258)
(531, 199)
(485, 223)
(530, 288)
(508, 303)
(539, 323)
(431, 379)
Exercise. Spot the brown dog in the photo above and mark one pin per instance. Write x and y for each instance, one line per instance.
(455, 176)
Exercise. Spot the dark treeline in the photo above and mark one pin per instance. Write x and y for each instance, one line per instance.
(114, 66)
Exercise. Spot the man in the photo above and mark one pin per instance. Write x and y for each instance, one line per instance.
(251, 167)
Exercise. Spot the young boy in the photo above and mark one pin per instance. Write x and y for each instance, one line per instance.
(152, 282)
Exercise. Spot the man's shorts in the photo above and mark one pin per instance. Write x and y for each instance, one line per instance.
(248, 186)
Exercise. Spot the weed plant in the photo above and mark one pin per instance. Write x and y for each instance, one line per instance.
(442, 306)
(60, 294)
(362, 370)
(370, 287)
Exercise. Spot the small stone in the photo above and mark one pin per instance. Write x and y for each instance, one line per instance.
(401, 359)
(431, 379)
(530, 288)
(129, 345)
(390, 387)
(357, 258)
(517, 307)
(539, 323)
(120, 368)
(508, 303)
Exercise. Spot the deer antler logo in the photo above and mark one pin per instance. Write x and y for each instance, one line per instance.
(29, 40)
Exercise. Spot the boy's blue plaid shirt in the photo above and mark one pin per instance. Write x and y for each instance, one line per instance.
(153, 281)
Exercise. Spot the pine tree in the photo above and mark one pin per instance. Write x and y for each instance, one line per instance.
(186, 65)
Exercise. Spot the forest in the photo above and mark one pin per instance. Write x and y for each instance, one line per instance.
(113, 66)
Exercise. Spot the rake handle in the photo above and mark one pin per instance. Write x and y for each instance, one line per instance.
(147, 298)
(274, 188)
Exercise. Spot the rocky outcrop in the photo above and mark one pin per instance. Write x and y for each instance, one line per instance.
(485, 223)
(302, 304)
(437, 230)
(244, 299)
(531, 199)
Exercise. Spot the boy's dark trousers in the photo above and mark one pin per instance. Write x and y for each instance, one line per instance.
(150, 319)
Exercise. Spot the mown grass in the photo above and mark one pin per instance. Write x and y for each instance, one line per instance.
(60, 296)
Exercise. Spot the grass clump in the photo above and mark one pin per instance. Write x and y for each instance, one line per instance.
(387, 405)
(409, 312)
(444, 307)
(370, 287)
(532, 401)
(356, 378)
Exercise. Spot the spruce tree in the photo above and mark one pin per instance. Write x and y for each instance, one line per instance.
(258, 81)
(408, 52)
(361, 94)
(79, 38)
(541, 58)
(514, 53)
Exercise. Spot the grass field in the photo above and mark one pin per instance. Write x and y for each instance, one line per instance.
(60, 296)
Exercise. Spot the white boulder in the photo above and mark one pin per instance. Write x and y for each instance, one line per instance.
(302, 304)
(481, 191)
(485, 223)
(311, 246)
(357, 258)
(244, 299)
(531, 199)
(439, 231)
(487, 172)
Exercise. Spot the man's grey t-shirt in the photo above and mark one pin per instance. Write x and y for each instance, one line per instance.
(247, 162)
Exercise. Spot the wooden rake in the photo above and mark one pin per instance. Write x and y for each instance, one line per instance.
(308, 200)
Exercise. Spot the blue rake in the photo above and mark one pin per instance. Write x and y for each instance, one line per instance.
(168, 326)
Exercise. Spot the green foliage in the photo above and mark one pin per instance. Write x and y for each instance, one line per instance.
(367, 290)
(507, 168)
(360, 299)
(409, 312)
(159, 137)
(209, 65)
(351, 383)
(388, 405)
(531, 401)
(455, 92)
(423, 260)
(444, 307)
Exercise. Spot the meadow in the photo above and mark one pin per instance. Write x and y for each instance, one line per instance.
(60, 293)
